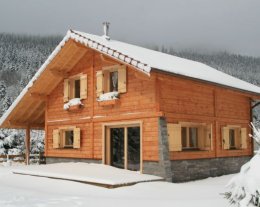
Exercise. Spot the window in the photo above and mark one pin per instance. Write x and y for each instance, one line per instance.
(66, 137)
(75, 87)
(234, 137)
(111, 79)
(187, 136)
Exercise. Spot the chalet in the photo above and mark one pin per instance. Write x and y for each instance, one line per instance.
(105, 101)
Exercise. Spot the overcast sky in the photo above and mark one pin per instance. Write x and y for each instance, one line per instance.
(231, 25)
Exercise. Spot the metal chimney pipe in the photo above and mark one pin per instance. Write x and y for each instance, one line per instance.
(106, 30)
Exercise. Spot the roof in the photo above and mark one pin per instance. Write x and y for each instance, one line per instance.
(141, 58)
(146, 60)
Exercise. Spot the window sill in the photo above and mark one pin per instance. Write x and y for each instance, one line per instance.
(108, 102)
(73, 104)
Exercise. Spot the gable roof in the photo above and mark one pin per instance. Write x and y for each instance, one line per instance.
(141, 58)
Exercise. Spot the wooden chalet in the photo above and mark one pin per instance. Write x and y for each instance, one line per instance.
(105, 101)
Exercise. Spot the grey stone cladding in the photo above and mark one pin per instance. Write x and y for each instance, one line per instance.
(51, 160)
(187, 170)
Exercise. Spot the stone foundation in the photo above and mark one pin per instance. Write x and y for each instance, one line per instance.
(187, 170)
(51, 160)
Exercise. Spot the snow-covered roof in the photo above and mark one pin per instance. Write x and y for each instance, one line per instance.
(146, 60)
(142, 59)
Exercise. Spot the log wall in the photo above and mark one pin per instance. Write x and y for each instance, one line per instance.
(185, 100)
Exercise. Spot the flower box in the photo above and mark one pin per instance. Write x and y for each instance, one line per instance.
(108, 102)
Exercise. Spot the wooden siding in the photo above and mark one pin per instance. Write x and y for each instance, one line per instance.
(185, 100)
(138, 103)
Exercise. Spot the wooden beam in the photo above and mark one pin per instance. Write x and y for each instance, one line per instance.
(27, 145)
(23, 125)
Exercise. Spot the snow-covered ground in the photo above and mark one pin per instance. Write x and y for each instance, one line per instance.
(29, 191)
(87, 172)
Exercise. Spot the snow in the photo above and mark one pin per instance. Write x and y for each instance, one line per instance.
(108, 96)
(93, 173)
(29, 191)
(72, 102)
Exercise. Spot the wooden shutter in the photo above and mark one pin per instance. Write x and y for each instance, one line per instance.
(76, 138)
(56, 138)
(201, 137)
(237, 138)
(83, 86)
(174, 137)
(66, 90)
(244, 138)
(225, 138)
(106, 81)
(99, 83)
(122, 79)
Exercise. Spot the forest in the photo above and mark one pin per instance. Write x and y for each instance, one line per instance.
(22, 55)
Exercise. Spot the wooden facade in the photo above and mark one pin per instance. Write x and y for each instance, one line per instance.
(178, 99)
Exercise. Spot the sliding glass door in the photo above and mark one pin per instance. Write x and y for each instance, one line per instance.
(123, 147)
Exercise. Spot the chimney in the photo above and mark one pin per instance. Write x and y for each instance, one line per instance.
(106, 30)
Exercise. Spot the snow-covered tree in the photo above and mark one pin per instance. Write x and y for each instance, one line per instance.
(244, 188)
(2, 89)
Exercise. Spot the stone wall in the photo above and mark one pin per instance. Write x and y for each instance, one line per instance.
(187, 170)
(51, 160)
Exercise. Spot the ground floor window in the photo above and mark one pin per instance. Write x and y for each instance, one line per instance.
(234, 137)
(66, 137)
(187, 136)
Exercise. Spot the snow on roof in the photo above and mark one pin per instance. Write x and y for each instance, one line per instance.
(146, 60)
(143, 59)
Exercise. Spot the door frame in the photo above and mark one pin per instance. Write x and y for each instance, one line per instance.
(105, 129)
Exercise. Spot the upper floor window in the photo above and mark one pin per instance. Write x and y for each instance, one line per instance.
(111, 79)
(234, 137)
(75, 87)
(187, 136)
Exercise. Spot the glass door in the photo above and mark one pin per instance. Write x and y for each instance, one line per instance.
(117, 147)
(133, 148)
(123, 147)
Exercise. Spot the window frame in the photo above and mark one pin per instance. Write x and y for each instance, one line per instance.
(72, 88)
(175, 136)
(197, 126)
(237, 140)
(106, 77)
(69, 87)
(61, 139)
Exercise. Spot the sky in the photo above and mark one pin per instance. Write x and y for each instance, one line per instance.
(199, 25)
